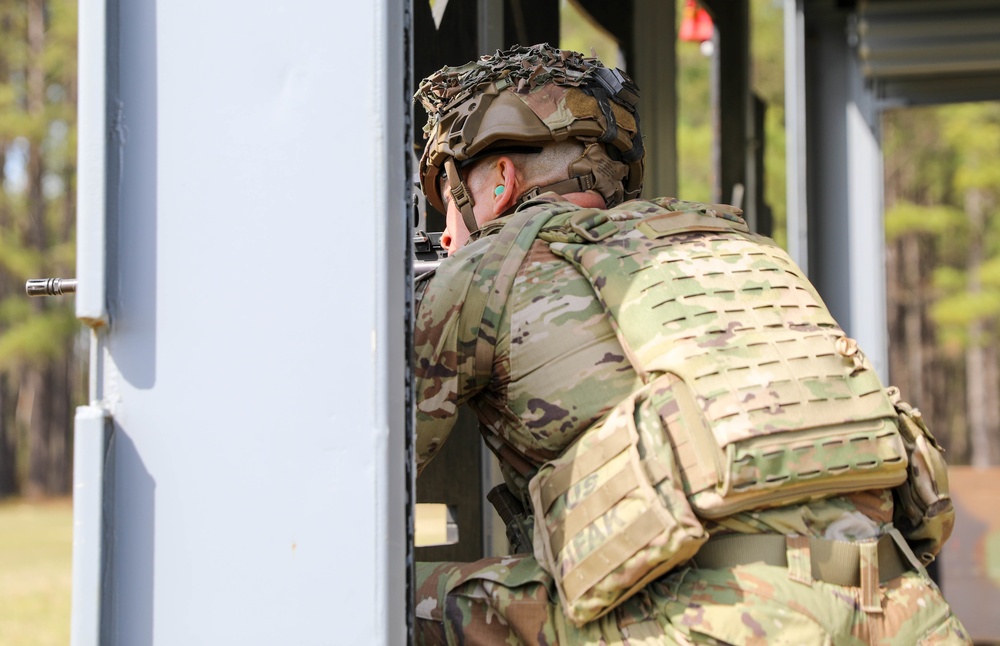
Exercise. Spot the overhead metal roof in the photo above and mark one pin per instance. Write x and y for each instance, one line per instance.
(929, 51)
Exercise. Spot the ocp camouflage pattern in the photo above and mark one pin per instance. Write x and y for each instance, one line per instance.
(509, 600)
(493, 102)
(558, 363)
(524, 68)
(793, 408)
(558, 368)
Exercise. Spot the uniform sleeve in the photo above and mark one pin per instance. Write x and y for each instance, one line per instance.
(444, 352)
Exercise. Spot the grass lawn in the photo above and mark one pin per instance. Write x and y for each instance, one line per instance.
(36, 542)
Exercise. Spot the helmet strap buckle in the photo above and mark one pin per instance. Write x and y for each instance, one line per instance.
(461, 196)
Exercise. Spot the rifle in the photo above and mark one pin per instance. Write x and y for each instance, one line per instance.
(427, 252)
(514, 516)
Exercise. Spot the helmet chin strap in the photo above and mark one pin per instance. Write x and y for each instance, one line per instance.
(461, 197)
(576, 184)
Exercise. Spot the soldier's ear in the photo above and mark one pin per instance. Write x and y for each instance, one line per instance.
(505, 193)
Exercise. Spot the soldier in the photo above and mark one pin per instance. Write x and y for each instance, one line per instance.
(702, 455)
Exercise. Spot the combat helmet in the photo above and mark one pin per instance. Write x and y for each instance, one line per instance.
(520, 99)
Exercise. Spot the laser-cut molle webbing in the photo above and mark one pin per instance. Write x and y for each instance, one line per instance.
(756, 349)
(602, 529)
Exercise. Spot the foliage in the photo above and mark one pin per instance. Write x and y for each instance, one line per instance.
(695, 124)
(38, 58)
(937, 160)
(943, 197)
(973, 133)
(580, 33)
(936, 219)
(37, 132)
(37, 338)
(695, 127)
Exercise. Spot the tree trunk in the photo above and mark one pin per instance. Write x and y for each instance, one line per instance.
(35, 82)
(914, 310)
(33, 416)
(924, 374)
(60, 476)
(949, 384)
(8, 443)
(982, 378)
(983, 385)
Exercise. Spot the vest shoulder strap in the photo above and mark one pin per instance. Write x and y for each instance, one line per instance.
(493, 279)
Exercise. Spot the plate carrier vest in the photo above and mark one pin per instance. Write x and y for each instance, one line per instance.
(753, 395)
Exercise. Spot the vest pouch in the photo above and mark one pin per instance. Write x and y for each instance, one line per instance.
(611, 513)
(924, 512)
(731, 464)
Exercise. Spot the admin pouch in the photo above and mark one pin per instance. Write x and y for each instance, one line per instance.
(754, 396)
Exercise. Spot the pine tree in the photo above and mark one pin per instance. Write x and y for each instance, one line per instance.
(37, 148)
(943, 230)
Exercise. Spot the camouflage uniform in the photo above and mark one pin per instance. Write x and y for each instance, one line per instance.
(507, 601)
(558, 367)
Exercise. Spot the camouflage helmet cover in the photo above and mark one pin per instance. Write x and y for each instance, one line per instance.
(529, 96)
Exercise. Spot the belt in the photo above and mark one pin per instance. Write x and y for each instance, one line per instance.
(837, 562)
